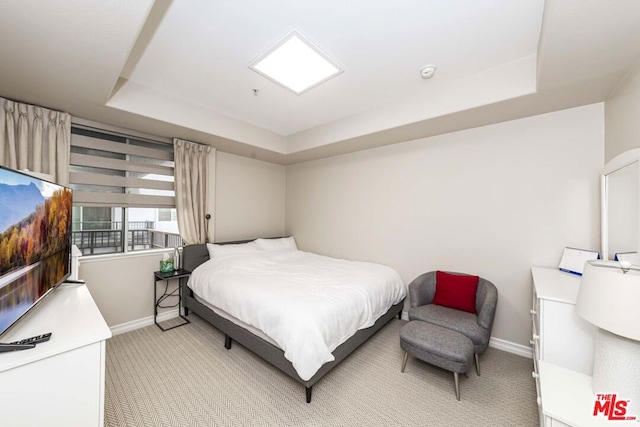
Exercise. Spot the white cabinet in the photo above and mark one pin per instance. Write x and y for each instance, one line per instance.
(569, 401)
(560, 336)
(563, 347)
(59, 382)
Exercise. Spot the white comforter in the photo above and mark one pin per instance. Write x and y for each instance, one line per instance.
(308, 304)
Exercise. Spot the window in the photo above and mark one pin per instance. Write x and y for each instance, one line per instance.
(168, 215)
(123, 192)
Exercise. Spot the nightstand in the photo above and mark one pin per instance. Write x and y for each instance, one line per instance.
(160, 276)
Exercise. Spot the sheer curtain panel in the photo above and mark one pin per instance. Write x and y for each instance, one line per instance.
(191, 179)
(35, 138)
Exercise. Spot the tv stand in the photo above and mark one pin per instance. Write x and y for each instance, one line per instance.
(65, 375)
(14, 347)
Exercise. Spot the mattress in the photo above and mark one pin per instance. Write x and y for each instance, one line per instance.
(305, 304)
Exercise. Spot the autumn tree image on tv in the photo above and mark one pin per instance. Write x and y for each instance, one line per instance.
(43, 232)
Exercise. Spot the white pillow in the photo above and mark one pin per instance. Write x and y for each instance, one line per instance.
(236, 248)
(282, 244)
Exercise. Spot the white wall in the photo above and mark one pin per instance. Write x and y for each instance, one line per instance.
(250, 198)
(622, 116)
(250, 202)
(491, 201)
(122, 286)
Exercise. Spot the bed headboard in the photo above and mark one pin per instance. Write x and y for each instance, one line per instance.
(194, 255)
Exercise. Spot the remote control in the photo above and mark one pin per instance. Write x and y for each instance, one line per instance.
(34, 340)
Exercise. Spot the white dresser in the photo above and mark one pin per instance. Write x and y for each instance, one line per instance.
(568, 400)
(59, 382)
(563, 347)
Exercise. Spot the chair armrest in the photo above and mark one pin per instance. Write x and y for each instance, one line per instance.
(486, 304)
(422, 289)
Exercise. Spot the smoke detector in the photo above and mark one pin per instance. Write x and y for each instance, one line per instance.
(428, 71)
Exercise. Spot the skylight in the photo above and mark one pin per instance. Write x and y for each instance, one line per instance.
(296, 64)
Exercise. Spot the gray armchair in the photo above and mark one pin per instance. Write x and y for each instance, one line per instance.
(475, 327)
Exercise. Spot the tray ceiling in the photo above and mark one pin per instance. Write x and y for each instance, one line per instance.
(177, 68)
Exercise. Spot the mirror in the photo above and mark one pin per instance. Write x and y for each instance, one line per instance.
(621, 207)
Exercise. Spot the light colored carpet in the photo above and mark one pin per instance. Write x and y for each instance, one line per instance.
(185, 377)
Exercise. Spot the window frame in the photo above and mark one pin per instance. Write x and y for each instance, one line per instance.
(89, 136)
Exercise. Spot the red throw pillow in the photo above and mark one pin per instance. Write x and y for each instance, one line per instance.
(456, 291)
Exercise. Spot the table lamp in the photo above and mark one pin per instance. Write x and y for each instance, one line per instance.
(609, 298)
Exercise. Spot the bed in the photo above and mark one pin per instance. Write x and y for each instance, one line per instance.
(301, 312)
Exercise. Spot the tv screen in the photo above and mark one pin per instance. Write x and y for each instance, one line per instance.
(35, 242)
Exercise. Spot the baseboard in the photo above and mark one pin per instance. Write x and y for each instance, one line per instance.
(141, 323)
(510, 347)
(499, 344)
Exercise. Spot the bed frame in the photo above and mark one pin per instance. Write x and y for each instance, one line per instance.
(194, 255)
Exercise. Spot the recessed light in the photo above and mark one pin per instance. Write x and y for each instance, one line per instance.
(296, 63)
(428, 71)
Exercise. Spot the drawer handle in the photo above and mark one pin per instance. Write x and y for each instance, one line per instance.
(534, 374)
(533, 311)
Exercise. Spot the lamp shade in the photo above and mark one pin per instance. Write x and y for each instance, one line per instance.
(609, 298)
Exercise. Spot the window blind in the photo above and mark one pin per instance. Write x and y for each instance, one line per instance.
(108, 169)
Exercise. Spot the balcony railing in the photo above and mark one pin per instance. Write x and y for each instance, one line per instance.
(101, 237)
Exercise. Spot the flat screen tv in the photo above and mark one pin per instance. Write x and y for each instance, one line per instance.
(35, 242)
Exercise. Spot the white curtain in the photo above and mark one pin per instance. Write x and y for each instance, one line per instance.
(191, 182)
(35, 138)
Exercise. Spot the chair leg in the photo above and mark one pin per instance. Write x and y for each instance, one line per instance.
(457, 384)
(477, 363)
(404, 361)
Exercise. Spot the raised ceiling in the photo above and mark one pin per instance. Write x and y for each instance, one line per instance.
(180, 68)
